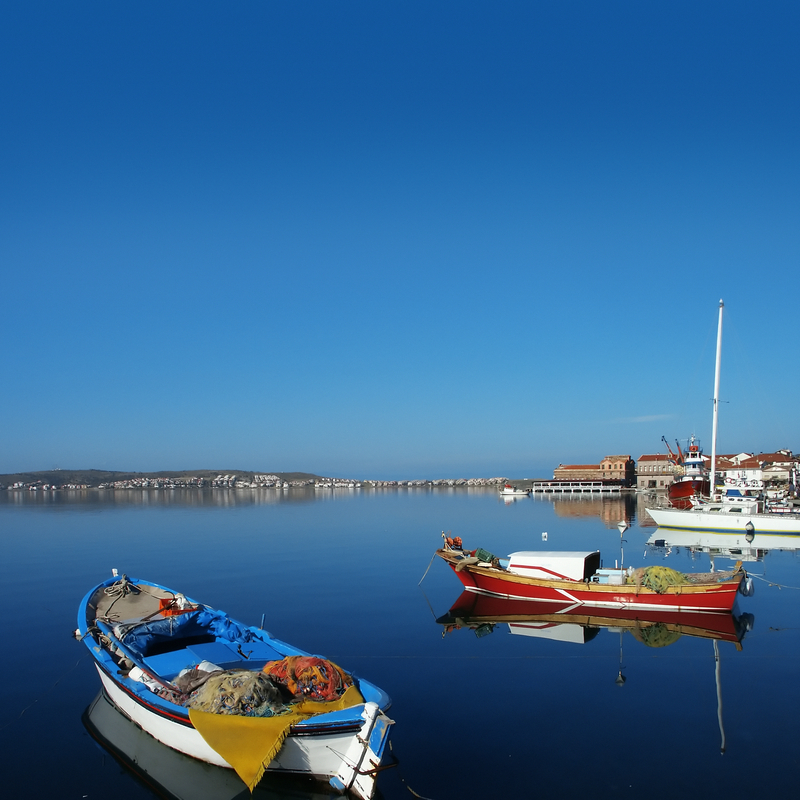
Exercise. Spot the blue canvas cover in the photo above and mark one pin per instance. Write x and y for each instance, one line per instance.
(145, 638)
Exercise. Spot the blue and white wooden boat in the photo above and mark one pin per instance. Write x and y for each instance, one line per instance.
(142, 636)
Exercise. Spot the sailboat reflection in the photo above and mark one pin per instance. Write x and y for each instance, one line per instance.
(571, 623)
(735, 546)
(174, 776)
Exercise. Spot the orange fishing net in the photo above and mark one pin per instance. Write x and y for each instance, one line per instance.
(309, 677)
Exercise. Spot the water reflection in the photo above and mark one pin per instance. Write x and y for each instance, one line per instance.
(175, 776)
(88, 499)
(573, 623)
(610, 509)
(729, 546)
(507, 500)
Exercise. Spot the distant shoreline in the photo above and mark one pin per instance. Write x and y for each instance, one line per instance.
(60, 480)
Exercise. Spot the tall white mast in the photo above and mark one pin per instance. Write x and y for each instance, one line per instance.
(713, 479)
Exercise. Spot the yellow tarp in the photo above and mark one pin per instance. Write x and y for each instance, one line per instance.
(248, 744)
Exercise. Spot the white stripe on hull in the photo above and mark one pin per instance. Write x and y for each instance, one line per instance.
(598, 603)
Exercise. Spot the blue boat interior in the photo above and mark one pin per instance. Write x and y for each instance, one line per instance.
(174, 643)
(168, 642)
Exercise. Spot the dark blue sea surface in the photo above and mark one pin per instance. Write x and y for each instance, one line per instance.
(483, 713)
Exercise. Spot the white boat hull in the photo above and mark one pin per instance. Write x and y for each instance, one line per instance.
(346, 759)
(726, 522)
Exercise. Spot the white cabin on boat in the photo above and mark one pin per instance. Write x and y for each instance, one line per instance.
(565, 565)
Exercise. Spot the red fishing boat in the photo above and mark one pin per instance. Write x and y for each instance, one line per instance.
(580, 579)
(694, 481)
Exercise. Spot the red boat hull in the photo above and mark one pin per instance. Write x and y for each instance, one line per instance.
(682, 492)
(717, 595)
(477, 609)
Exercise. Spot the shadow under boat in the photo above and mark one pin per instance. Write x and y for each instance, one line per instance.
(175, 776)
(571, 623)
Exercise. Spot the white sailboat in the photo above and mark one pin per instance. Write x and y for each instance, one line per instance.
(742, 514)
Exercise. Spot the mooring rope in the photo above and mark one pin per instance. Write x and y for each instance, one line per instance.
(772, 583)
(426, 571)
(403, 780)
(47, 691)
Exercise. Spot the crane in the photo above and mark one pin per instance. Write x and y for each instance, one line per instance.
(675, 459)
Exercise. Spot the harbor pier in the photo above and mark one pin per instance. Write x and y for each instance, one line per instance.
(577, 487)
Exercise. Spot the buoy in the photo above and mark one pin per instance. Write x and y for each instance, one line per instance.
(747, 587)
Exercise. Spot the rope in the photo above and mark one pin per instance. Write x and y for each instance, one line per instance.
(426, 571)
(121, 588)
(416, 794)
(403, 780)
(47, 691)
(772, 583)
(433, 613)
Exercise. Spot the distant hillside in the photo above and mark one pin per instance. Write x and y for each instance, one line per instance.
(94, 477)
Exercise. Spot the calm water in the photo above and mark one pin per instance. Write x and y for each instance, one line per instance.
(337, 574)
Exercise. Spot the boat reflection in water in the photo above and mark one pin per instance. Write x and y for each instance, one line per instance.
(733, 546)
(174, 776)
(572, 623)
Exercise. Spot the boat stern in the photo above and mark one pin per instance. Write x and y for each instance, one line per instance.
(362, 761)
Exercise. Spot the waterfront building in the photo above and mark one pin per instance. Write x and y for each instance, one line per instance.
(620, 468)
(757, 472)
(655, 471)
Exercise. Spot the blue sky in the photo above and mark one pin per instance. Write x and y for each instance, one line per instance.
(395, 239)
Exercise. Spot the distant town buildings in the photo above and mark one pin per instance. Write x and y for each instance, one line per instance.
(655, 471)
(778, 471)
(612, 468)
(745, 471)
(762, 471)
(247, 481)
(767, 472)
